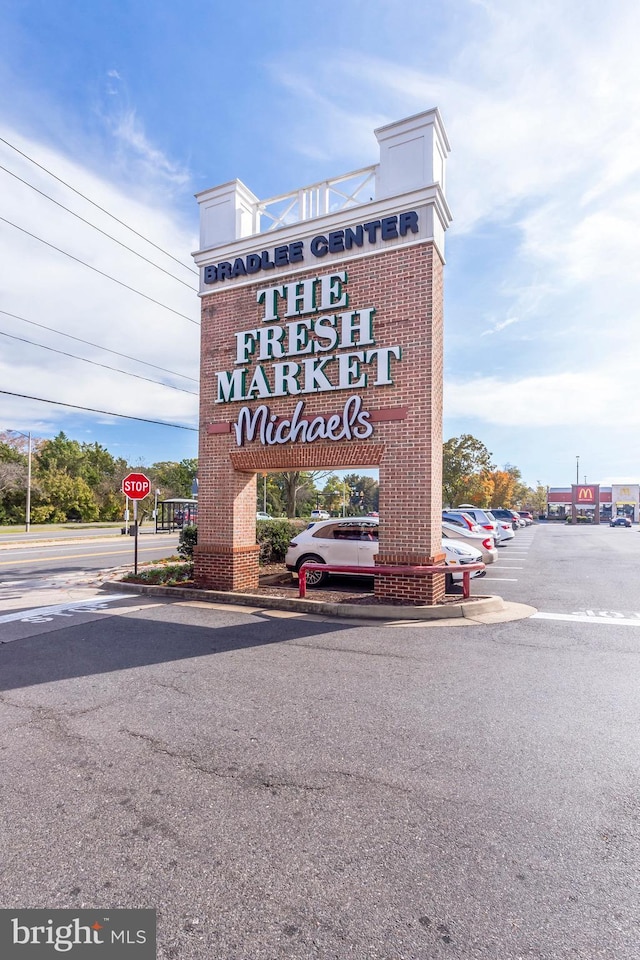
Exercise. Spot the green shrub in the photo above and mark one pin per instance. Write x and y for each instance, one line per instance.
(273, 537)
(188, 540)
(166, 573)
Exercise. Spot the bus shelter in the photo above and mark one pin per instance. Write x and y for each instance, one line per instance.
(175, 514)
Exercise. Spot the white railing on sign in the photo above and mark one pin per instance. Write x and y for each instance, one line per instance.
(317, 200)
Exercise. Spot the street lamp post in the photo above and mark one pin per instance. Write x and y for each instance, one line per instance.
(155, 509)
(344, 498)
(577, 468)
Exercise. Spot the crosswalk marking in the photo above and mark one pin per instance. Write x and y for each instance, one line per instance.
(60, 609)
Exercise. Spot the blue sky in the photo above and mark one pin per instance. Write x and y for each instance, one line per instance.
(138, 105)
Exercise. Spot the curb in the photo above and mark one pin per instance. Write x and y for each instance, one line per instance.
(477, 610)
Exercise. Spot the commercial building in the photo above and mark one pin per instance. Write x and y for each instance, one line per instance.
(597, 503)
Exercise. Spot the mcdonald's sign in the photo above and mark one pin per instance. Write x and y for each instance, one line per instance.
(585, 495)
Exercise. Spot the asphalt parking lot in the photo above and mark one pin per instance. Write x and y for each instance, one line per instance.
(278, 785)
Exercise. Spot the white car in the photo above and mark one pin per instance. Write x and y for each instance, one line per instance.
(261, 515)
(353, 541)
(504, 532)
(319, 515)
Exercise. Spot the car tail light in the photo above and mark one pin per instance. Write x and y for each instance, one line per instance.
(488, 526)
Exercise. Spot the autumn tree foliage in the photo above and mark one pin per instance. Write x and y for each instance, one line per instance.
(469, 476)
(464, 460)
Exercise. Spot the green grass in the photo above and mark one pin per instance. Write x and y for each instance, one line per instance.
(45, 528)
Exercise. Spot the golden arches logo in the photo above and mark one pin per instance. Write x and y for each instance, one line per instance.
(585, 493)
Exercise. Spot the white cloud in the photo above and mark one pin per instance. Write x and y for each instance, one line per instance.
(42, 285)
(129, 133)
(500, 325)
(599, 396)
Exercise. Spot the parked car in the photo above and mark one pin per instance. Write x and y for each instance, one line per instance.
(482, 517)
(478, 540)
(504, 531)
(261, 515)
(520, 521)
(526, 516)
(501, 513)
(461, 519)
(620, 522)
(458, 553)
(320, 515)
(353, 541)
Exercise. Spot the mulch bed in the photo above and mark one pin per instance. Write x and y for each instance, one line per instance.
(276, 581)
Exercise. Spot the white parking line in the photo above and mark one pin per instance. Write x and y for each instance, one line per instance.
(502, 579)
(585, 618)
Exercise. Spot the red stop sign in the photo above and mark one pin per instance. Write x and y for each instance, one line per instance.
(136, 486)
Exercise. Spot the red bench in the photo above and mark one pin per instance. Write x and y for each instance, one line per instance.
(416, 571)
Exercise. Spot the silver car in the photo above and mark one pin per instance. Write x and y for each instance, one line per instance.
(478, 539)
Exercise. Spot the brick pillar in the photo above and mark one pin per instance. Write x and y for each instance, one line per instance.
(411, 469)
(226, 556)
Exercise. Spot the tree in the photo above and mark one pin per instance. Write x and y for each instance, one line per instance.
(13, 481)
(298, 490)
(175, 479)
(274, 502)
(67, 498)
(504, 488)
(538, 499)
(463, 459)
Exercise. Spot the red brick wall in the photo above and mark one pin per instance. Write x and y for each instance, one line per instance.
(405, 287)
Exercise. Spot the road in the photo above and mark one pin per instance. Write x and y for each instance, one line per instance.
(83, 553)
(281, 785)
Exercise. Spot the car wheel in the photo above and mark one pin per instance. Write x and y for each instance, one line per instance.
(315, 578)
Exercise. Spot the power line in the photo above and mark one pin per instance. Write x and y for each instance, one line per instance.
(101, 272)
(95, 363)
(97, 346)
(106, 413)
(97, 205)
(103, 232)
(90, 343)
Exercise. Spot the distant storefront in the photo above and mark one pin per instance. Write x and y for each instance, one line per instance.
(593, 502)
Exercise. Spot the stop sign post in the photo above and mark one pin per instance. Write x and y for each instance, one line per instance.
(135, 486)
